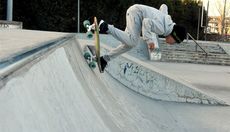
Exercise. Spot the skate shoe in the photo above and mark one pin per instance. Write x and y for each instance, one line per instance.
(103, 63)
(103, 27)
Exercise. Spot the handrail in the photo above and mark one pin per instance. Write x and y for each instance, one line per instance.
(189, 35)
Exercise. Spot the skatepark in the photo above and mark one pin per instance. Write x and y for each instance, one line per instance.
(46, 85)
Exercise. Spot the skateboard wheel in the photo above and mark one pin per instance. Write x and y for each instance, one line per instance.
(92, 65)
(89, 34)
(87, 55)
(85, 23)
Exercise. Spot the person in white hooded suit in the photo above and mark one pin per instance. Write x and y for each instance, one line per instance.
(147, 20)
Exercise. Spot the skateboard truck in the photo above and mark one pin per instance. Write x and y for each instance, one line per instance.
(90, 59)
(89, 27)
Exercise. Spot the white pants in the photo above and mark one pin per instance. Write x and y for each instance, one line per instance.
(131, 36)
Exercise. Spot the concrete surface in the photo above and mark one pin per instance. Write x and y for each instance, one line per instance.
(212, 79)
(10, 46)
(55, 91)
(166, 81)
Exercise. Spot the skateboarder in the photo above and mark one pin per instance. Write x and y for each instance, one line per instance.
(148, 20)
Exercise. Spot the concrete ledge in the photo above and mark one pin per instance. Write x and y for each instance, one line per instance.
(226, 48)
(26, 54)
(15, 42)
(154, 83)
(10, 24)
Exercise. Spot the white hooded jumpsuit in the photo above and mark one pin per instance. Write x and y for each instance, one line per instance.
(141, 18)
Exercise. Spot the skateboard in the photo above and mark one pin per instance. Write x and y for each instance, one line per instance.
(92, 53)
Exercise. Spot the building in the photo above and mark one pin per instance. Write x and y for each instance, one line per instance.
(215, 25)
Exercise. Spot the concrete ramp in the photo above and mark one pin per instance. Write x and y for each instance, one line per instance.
(149, 80)
(53, 90)
(54, 93)
(163, 81)
(155, 83)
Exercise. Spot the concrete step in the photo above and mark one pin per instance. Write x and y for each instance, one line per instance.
(198, 61)
(210, 50)
(195, 57)
(195, 54)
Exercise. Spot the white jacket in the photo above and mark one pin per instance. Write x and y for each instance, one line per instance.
(140, 18)
(154, 22)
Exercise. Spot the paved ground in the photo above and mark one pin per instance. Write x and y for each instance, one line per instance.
(11, 46)
(57, 92)
(211, 79)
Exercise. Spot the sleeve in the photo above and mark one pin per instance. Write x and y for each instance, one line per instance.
(151, 29)
(164, 8)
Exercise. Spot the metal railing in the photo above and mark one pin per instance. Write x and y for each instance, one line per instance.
(197, 45)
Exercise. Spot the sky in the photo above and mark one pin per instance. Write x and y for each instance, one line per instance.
(213, 5)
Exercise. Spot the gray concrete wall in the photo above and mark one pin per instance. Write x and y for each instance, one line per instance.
(150, 81)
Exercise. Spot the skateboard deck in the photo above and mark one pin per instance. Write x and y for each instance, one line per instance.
(94, 55)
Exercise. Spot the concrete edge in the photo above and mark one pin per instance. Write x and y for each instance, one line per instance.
(226, 48)
(24, 53)
(37, 52)
(197, 95)
(39, 45)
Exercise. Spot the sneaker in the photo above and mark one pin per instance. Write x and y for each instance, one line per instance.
(103, 26)
(103, 63)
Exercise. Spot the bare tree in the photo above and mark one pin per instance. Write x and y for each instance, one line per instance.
(223, 7)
